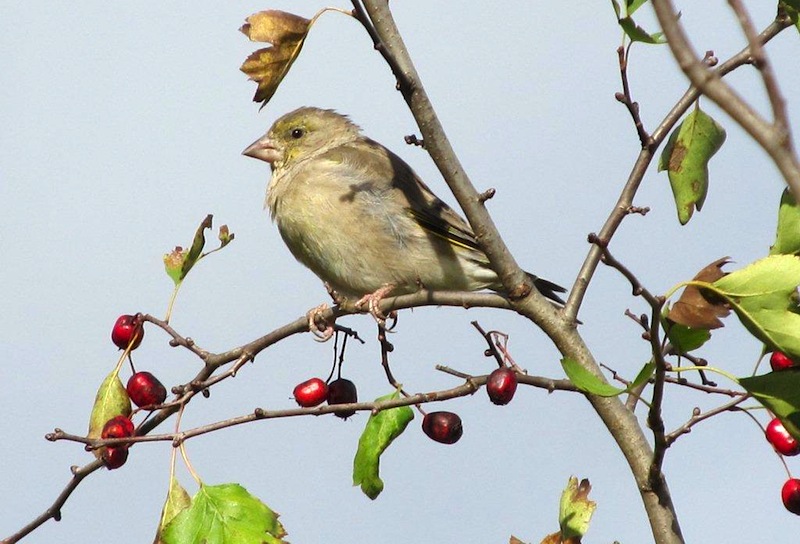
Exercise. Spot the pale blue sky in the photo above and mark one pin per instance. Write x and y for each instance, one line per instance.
(122, 127)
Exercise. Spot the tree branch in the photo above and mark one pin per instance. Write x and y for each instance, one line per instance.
(390, 43)
(625, 201)
(775, 139)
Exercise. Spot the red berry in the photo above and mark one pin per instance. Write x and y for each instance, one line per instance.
(342, 391)
(781, 440)
(115, 456)
(311, 392)
(144, 389)
(127, 328)
(501, 386)
(780, 361)
(790, 493)
(117, 427)
(444, 427)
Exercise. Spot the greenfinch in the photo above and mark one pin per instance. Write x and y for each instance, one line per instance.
(359, 217)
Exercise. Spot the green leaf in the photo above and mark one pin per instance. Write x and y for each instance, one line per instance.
(617, 9)
(780, 393)
(787, 238)
(199, 242)
(111, 400)
(685, 339)
(685, 158)
(381, 429)
(764, 297)
(224, 514)
(792, 8)
(631, 29)
(173, 264)
(638, 34)
(575, 509)
(180, 261)
(633, 5)
(177, 501)
(595, 385)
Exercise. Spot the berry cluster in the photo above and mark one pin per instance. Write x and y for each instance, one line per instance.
(143, 388)
(443, 427)
(783, 442)
(315, 391)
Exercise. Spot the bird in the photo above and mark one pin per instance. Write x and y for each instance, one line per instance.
(357, 215)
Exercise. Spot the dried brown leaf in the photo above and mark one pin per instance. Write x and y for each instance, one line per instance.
(274, 26)
(267, 67)
(554, 538)
(693, 309)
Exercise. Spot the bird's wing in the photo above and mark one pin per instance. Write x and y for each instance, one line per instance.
(375, 162)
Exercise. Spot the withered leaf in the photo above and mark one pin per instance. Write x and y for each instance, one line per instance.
(696, 311)
(267, 67)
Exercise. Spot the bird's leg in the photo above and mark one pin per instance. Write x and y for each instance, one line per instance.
(334, 294)
(372, 301)
(323, 331)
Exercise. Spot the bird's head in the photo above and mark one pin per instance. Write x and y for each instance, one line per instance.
(301, 134)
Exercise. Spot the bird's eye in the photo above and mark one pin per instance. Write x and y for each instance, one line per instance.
(298, 133)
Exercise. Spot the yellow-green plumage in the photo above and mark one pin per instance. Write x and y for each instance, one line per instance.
(358, 216)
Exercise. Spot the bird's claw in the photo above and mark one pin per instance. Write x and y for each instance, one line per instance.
(372, 301)
(318, 326)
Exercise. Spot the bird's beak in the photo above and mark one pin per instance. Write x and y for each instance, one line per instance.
(263, 149)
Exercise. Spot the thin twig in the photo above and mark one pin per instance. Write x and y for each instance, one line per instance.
(623, 53)
(775, 140)
(54, 510)
(491, 351)
(386, 349)
(697, 417)
(642, 163)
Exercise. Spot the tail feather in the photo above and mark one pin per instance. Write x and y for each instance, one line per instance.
(548, 288)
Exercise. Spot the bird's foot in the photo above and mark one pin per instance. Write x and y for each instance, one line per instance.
(372, 302)
(334, 294)
(318, 325)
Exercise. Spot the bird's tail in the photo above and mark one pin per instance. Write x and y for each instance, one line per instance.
(548, 288)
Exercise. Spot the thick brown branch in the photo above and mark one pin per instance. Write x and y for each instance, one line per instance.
(514, 280)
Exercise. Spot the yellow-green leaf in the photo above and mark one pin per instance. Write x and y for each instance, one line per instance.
(635, 32)
(685, 158)
(575, 510)
(764, 297)
(111, 400)
(177, 501)
(180, 261)
(787, 237)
